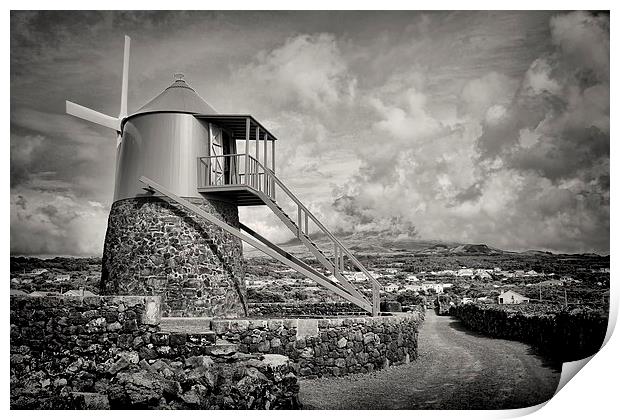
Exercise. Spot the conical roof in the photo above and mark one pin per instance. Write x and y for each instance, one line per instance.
(179, 96)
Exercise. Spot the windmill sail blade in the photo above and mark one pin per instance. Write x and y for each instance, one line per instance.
(93, 116)
(125, 82)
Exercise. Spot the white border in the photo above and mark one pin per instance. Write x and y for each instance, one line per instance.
(592, 394)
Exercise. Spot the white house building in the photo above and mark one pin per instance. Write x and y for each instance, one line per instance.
(510, 297)
(465, 272)
(391, 288)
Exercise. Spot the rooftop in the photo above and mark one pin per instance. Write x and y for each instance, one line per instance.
(181, 97)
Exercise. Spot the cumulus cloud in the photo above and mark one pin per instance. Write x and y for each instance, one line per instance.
(47, 223)
(61, 152)
(307, 71)
(583, 40)
(558, 125)
(487, 95)
(522, 167)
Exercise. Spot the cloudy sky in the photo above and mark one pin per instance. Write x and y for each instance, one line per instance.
(472, 126)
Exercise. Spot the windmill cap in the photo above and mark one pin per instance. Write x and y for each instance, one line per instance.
(178, 97)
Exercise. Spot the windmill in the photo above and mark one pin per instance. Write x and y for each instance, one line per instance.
(182, 172)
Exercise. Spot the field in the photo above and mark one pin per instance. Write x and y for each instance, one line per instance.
(474, 272)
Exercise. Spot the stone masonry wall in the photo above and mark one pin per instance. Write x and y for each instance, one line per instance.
(108, 352)
(562, 334)
(329, 347)
(153, 247)
(301, 309)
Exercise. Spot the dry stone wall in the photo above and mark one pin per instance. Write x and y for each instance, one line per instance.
(302, 309)
(563, 334)
(153, 247)
(332, 346)
(108, 352)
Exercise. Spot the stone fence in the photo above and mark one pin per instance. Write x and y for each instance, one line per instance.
(332, 346)
(562, 334)
(303, 309)
(109, 352)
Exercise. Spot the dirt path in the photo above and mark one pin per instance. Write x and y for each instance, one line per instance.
(456, 369)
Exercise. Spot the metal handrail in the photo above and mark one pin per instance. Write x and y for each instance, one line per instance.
(318, 223)
(215, 156)
(255, 177)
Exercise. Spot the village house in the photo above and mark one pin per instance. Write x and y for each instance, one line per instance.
(358, 276)
(414, 287)
(482, 274)
(391, 288)
(443, 273)
(511, 297)
(39, 293)
(256, 283)
(465, 272)
(436, 287)
(552, 283)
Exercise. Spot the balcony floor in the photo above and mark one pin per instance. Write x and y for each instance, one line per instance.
(241, 195)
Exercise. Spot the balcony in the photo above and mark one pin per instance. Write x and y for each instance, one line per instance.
(237, 178)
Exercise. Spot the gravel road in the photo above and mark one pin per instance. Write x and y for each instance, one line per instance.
(456, 369)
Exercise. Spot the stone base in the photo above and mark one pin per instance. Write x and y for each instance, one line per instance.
(155, 248)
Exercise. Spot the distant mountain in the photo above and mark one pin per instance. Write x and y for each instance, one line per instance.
(382, 243)
(536, 252)
(475, 249)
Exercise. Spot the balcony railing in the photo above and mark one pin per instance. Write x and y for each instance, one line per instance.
(230, 170)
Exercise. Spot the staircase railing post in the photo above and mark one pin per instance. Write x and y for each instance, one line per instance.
(253, 164)
(247, 151)
(273, 165)
(265, 160)
(257, 175)
(298, 221)
(306, 222)
(335, 257)
(209, 171)
(199, 174)
(375, 300)
(253, 170)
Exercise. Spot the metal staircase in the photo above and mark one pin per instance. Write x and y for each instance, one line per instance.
(258, 185)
